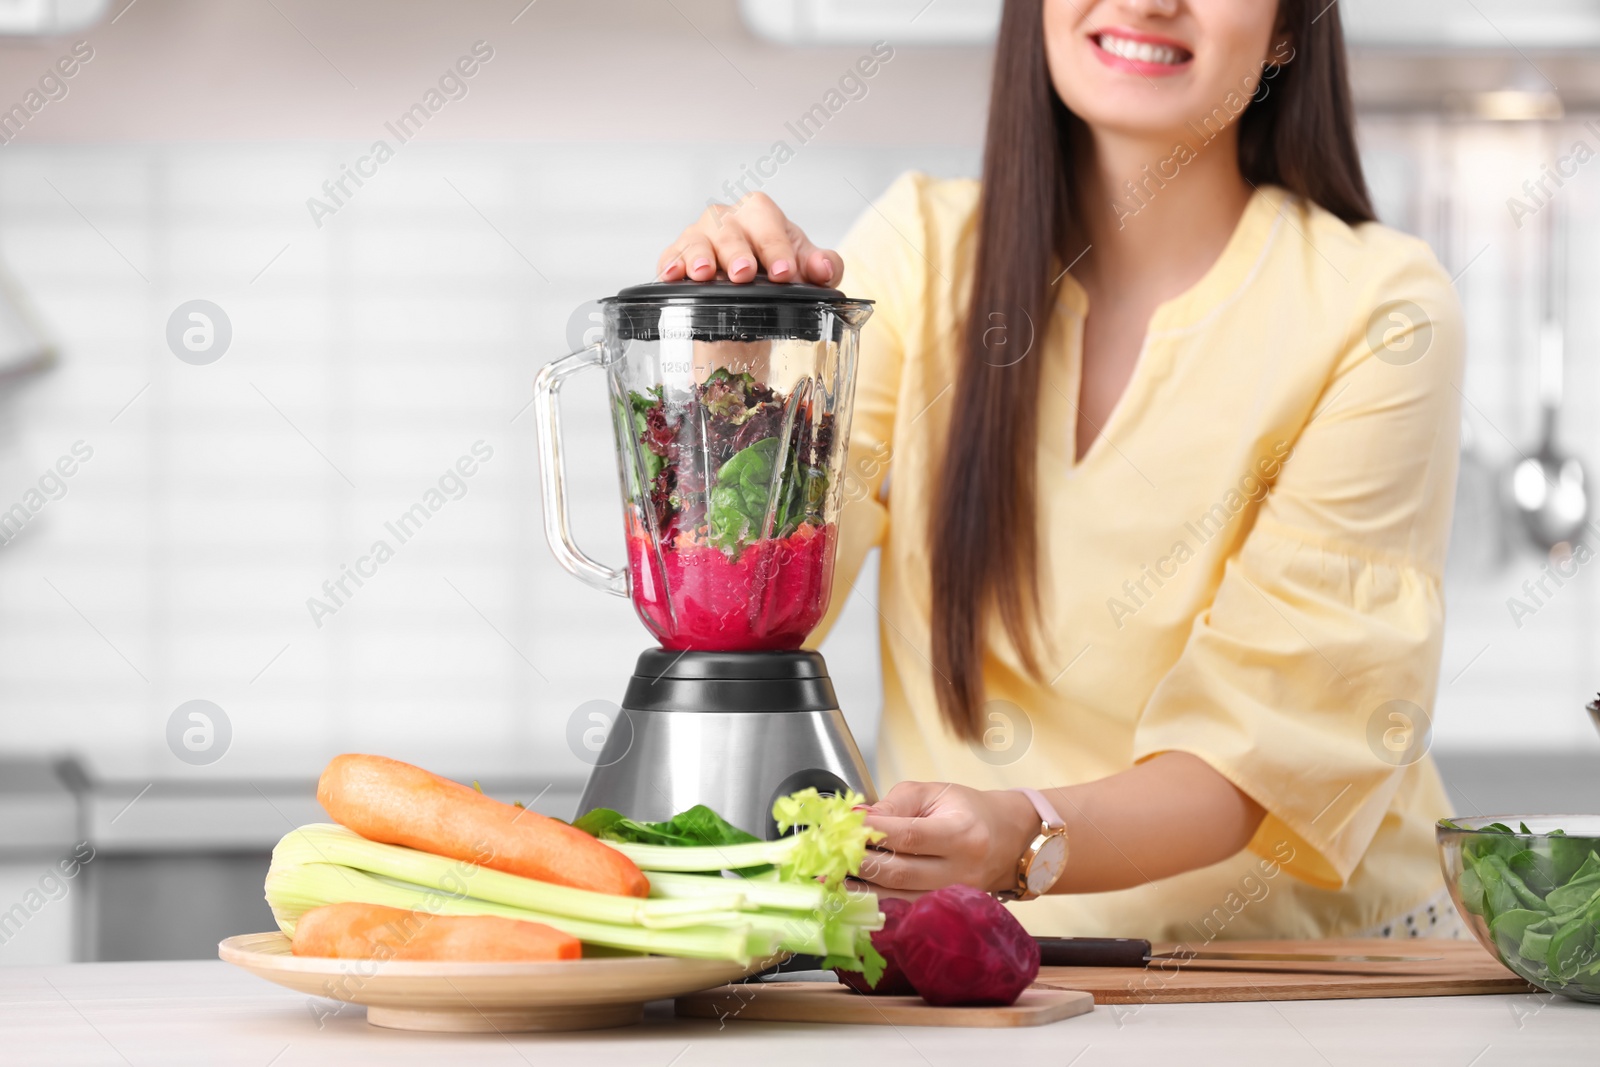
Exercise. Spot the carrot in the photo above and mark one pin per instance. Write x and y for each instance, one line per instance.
(398, 804)
(353, 931)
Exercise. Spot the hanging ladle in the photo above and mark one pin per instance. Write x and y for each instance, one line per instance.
(1548, 487)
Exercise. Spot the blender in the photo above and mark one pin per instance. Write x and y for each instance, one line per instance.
(731, 408)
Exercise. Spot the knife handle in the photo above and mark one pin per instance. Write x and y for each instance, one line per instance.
(1093, 951)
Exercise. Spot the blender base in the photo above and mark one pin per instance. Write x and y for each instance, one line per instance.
(731, 730)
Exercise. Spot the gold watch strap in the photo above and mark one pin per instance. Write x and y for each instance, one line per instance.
(1051, 824)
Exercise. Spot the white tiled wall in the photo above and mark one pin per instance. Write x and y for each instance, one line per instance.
(373, 352)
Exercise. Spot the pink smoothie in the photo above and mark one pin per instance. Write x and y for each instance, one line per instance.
(769, 598)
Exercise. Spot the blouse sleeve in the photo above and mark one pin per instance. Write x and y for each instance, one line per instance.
(879, 265)
(1331, 608)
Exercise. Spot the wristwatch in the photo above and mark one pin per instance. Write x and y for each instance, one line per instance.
(1044, 861)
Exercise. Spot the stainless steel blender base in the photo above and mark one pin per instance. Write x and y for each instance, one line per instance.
(767, 737)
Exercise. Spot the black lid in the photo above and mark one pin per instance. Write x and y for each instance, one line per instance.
(721, 310)
(759, 290)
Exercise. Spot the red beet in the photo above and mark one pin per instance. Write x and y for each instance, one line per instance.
(894, 982)
(960, 946)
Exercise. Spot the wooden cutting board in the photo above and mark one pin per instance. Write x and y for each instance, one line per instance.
(829, 1002)
(1463, 968)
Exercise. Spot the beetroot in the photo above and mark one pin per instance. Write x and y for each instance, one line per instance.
(894, 982)
(960, 946)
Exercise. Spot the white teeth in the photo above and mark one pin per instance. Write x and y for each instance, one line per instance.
(1139, 51)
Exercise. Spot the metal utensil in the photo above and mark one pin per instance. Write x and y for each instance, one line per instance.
(1135, 952)
(1549, 487)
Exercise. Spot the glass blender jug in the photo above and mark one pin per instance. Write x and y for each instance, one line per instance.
(731, 407)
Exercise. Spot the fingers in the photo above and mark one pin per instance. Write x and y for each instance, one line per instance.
(767, 231)
(909, 835)
(743, 239)
(910, 799)
(912, 874)
(819, 266)
(733, 250)
(690, 256)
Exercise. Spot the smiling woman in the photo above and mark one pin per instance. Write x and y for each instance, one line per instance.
(1192, 255)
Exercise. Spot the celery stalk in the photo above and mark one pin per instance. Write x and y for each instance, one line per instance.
(329, 843)
(789, 896)
(701, 858)
(293, 890)
(859, 909)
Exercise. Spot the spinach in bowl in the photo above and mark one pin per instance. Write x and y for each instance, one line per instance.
(1531, 895)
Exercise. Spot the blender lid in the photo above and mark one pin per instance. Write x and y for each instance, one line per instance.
(760, 290)
(720, 310)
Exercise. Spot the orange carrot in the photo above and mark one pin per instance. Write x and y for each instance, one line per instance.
(398, 804)
(353, 931)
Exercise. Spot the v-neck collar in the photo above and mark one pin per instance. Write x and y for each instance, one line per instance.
(1221, 283)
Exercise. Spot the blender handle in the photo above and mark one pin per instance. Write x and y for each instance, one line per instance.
(553, 472)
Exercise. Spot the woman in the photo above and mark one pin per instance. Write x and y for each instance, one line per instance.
(1172, 434)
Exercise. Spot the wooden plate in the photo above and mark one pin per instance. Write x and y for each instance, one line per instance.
(583, 994)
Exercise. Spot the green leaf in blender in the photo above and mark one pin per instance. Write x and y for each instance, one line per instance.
(739, 499)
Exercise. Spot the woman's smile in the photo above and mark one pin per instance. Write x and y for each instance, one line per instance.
(1138, 52)
(1148, 69)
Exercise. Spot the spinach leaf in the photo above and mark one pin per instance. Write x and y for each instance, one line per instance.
(1536, 868)
(1571, 949)
(1536, 943)
(738, 505)
(1510, 929)
(1471, 885)
(1567, 854)
(697, 826)
(1576, 893)
(1498, 896)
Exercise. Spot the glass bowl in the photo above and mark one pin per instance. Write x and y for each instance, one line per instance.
(1529, 888)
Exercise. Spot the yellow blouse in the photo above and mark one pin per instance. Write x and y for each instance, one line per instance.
(1244, 566)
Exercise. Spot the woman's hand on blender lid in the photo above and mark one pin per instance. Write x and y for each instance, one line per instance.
(739, 239)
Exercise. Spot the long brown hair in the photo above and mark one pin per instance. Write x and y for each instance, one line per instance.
(1297, 134)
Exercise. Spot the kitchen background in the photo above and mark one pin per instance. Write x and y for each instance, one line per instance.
(377, 340)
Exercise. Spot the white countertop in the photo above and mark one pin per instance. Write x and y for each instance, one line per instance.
(206, 1012)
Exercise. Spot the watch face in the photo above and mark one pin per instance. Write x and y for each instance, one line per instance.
(1048, 863)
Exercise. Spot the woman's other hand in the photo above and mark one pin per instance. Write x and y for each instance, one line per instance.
(739, 239)
(940, 834)
(1170, 814)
